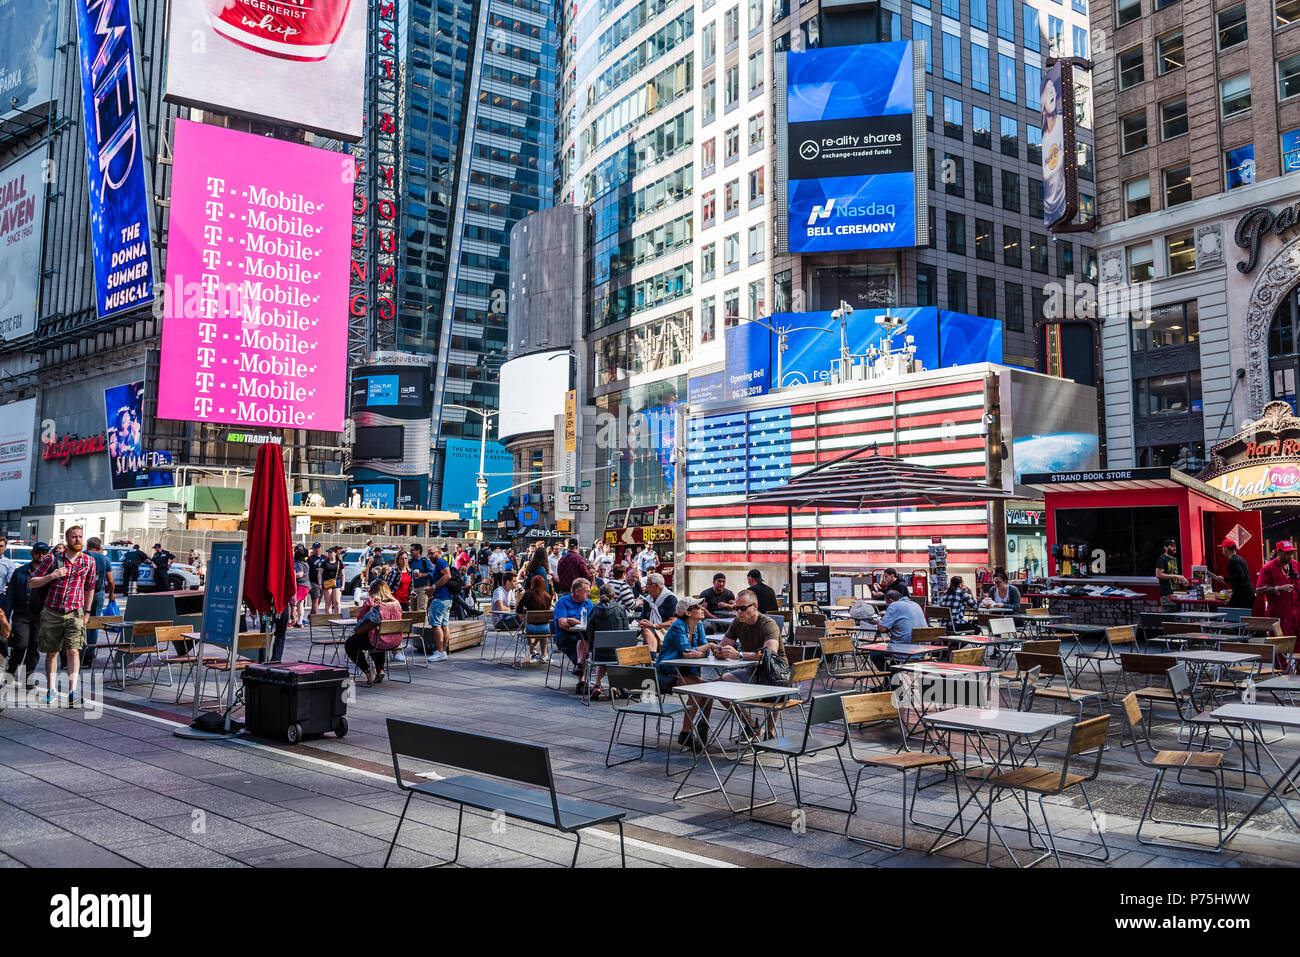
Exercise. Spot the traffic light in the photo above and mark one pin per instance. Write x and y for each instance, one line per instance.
(613, 477)
(482, 498)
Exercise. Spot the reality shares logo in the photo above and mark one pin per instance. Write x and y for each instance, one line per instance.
(821, 212)
(809, 149)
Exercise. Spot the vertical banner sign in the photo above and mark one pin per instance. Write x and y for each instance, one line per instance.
(257, 269)
(129, 464)
(851, 151)
(571, 421)
(22, 220)
(1060, 159)
(120, 201)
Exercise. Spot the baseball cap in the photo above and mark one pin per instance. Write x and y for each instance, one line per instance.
(1284, 547)
(686, 604)
(40, 547)
(1228, 542)
(315, 544)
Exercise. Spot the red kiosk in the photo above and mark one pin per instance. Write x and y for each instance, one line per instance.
(1105, 530)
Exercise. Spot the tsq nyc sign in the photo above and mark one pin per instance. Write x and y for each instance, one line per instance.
(1257, 222)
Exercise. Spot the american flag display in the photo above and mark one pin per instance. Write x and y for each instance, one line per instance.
(733, 454)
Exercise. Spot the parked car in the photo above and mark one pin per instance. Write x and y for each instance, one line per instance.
(179, 575)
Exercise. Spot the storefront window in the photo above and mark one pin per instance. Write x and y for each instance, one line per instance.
(1026, 540)
(1165, 326)
(1129, 539)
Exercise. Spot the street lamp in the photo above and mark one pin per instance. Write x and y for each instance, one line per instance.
(482, 483)
(782, 334)
(841, 315)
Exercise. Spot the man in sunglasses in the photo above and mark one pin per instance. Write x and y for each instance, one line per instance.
(750, 633)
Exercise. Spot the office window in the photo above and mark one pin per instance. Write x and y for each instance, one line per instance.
(1006, 78)
(986, 296)
(755, 72)
(956, 290)
(1288, 76)
(1007, 20)
(952, 8)
(1064, 257)
(1133, 131)
(731, 27)
(933, 241)
(1081, 42)
(731, 91)
(1126, 11)
(756, 248)
(979, 14)
(1240, 165)
(929, 168)
(984, 183)
(1232, 26)
(952, 117)
(755, 15)
(1161, 4)
(1010, 132)
(1287, 11)
(1087, 207)
(709, 97)
(757, 299)
(927, 277)
(755, 131)
(1170, 54)
(731, 204)
(1137, 197)
(1034, 144)
(1015, 319)
(1055, 36)
(984, 240)
(1182, 252)
(709, 261)
(980, 122)
(1131, 70)
(1010, 191)
(1141, 262)
(1291, 151)
(1038, 252)
(709, 207)
(956, 232)
(1089, 262)
(708, 156)
(890, 30)
(951, 57)
(1083, 159)
(922, 33)
(1035, 198)
(1080, 6)
(957, 185)
(1010, 246)
(732, 144)
(811, 33)
(708, 319)
(1173, 119)
(979, 67)
(1234, 95)
(709, 42)
(1029, 16)
(756, 186)
(731, 307)
(929, 111)
(1178, 185)
(1033, 87)
(731, 253)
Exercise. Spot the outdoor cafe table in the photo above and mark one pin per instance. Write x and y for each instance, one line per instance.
(1251, 716)
(957, 685)
(1013, 726)
(731, 695)
(1281, 685)
(902, 650)
(1202, 661)
(1195, 615)
(717, 664)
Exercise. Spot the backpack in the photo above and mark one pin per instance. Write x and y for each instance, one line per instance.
(455, 584)
(484, 556)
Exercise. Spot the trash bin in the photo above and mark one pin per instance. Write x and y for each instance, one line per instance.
(294, 700)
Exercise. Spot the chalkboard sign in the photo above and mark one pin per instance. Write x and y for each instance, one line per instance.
(815, 584)
(223, 593)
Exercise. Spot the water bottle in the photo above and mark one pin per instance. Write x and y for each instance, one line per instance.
(1248, 692)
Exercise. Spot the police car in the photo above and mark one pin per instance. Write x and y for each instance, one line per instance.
(179, 576)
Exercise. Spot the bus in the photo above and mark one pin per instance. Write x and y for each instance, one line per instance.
(627, 529)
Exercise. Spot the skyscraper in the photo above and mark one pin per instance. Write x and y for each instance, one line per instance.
(478, 127)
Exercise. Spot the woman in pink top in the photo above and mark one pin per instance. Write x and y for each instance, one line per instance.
(360, 647)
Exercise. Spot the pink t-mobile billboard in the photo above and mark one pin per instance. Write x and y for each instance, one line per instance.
(256, 307)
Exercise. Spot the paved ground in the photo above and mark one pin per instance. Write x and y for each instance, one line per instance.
(118, 789)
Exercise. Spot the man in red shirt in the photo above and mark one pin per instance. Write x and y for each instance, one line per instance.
(571, 567)
(1278, 581)
(63, 619)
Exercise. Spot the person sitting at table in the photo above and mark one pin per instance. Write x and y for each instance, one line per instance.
(747, 637)
(658, 608)
(767, 602)
(360, 645)
(888, 582)
(685, 639)
(1002, 594)
(535, 598)
(571, 613)
(503, 617)
(901, 616)
(719, 597)
(958, 599)
(622, 590)
(608, 615)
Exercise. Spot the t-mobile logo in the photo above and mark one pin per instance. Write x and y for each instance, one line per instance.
(821, 212)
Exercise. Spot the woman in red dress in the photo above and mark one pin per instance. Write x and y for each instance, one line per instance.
(399, 580)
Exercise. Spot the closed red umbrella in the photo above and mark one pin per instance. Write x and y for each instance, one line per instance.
(269, 581)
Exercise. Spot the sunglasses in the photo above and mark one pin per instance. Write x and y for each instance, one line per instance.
(745, 607)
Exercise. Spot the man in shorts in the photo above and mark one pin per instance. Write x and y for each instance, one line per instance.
(439, 604)
(63, 619)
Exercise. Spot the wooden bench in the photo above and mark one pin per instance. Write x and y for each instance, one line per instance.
(465, 634)
(510, 763)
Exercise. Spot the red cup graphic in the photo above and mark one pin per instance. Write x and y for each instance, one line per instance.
(291, 29)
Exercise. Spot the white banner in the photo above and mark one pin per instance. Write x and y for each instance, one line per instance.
(17, 432)
(22, 215)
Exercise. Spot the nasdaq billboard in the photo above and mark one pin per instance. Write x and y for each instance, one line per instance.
(853, 132)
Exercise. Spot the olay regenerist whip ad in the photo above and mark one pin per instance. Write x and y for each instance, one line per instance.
(255, 319)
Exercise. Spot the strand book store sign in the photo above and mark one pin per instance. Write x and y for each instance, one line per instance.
(854, 141)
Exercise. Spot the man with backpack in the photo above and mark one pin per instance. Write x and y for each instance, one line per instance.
(439, 604)
(421, 578)
(484, 561)
(22, 606)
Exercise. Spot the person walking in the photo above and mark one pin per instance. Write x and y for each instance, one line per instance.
(103, 594)
(439, 605)
(22, 606)
(331, 573)
(314, 562)
(63, 619)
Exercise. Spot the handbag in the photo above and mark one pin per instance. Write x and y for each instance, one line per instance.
(329, 583)
(772, 670)
(111, 610)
